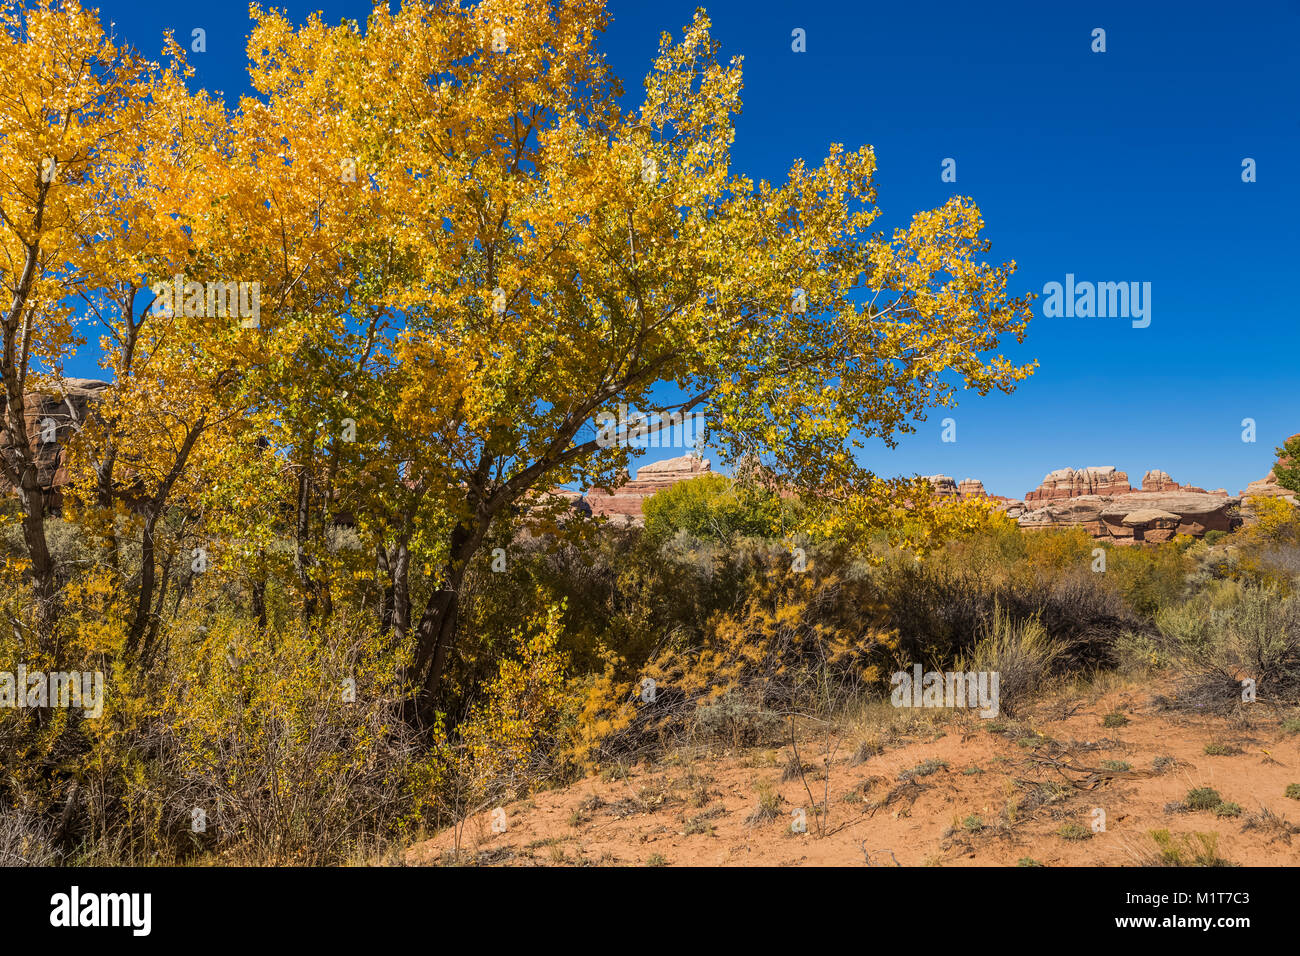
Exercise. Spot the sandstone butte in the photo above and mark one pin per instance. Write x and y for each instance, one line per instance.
(1100, 500)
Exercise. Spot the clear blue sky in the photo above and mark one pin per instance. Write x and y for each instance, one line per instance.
(1116, 166)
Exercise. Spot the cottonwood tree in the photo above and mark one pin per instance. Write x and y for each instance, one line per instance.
(314, 230)
(116, 177)
(213, 409)
(564, 254)
(71, 103)
(139, 449)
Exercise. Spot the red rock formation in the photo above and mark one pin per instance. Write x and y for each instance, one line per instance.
(946, 487)
(1136, 516)
(626, 500)
(1196, 513)
(64, 411)
(1068, 483)
(1083, 511)
(1159, 481)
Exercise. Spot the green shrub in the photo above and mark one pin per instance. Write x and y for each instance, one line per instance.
(714, 507)
(939, 612)
(1150, 578)
(1073, 831)
(1222, 750)
(1202, 798)
(923, 769)
(1197, 849)
(1229, 631)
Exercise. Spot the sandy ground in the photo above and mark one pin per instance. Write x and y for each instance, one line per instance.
(1060, 787)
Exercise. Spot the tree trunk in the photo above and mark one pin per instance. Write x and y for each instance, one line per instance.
(20, 465)
(259, 599)
(155, 618)
(104, 498)
(301, 559)
(436, 633)
(144, 595)
(386, 602)
(437, 637)
(148, 547)
(31, 497)
(105, 492)
(401, 593)
(401, 576)
(22, 468)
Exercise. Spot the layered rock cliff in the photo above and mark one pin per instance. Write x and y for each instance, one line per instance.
(52, 416)
(627, 498)
(1068, 483)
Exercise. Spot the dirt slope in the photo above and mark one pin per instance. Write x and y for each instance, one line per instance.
(928, 790)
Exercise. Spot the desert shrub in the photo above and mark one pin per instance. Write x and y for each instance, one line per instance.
(1221, 637)
(725, 623)
(1269, 547)
(1194, 849)
(990, 548)
(792, 627)
(1074, 831)
(1150, 578)
(1212, 564)
(290, 744)
(736, 718)
(616, 591)
(1216, 749)
(1058, 550)
(1020, 652)
(791, 639)
(253, 744)
(26, 839)
(769, 805)
(714, 507)
(45, 753)
(934, 613)
(1276, 521)
(938, 614)
(924, 769)
(1081, 614)
(1140, 653)
(1276, 566)
(1202, 798)
(71, 549)
(510, 737)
